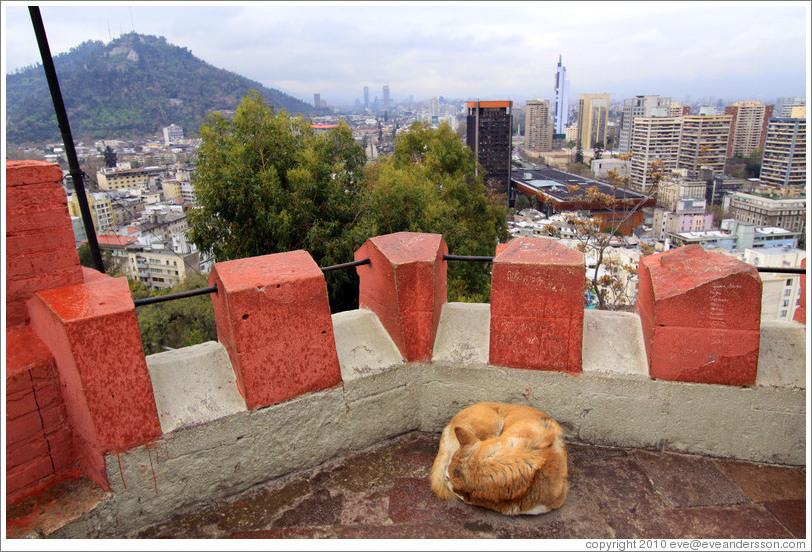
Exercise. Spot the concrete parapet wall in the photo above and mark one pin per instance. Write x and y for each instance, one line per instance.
(290, 385)
(610, 403)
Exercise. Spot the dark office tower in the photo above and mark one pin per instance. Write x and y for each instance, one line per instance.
(366, 98)
(386, 97)
(489, 136)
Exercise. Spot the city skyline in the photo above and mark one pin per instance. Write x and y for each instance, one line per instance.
(730, 50)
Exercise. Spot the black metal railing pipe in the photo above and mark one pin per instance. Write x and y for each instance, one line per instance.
(171, 296)
(778, 270)
(480, 258)
(67, 138)
(343, 266)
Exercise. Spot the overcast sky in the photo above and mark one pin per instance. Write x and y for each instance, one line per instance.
(504, 50)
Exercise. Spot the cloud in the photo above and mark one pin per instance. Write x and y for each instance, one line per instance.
(480, 49)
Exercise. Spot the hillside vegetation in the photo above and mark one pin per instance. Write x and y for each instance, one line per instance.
(128, 88)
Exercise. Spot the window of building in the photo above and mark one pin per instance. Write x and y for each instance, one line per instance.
(783, 314)
(787, 292)
(789, 281)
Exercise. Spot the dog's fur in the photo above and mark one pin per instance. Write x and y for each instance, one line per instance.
(506, 457)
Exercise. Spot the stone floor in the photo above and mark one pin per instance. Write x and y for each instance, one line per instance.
(383, 493)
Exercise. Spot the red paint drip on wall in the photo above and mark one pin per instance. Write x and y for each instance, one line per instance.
(154, 479)
(121, 471)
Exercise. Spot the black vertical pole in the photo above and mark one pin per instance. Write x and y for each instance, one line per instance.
(67, 138)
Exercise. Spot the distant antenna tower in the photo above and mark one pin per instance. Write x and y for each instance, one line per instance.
(132, 23)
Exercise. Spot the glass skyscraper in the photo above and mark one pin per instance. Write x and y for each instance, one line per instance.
(562, 99)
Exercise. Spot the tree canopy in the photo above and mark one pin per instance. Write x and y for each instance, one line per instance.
(269, 183)
(430, 184)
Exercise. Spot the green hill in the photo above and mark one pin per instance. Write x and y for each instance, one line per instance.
(131, 87)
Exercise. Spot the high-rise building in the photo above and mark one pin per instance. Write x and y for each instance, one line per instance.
(317, 100)
(489, 127)
(562, 99)
(653, 139)
(703, 142)
(748, 126)
(593, 112)
(651, 105)
(538, 131)
(676, 109)
(784, 160)
(783, 106)
(366, 98)
(386, 97)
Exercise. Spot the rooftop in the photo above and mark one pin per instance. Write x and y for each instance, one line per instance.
(382, 492)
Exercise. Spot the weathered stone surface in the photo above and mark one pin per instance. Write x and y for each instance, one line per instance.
(747, 521)
(537, 306)
(463, 334)
(194, 385)
(273, 317)
(700, 314)
(364, 348)
(613, 343)
(689, 481)
(92, 330)
(791, 514)
(763, 483)
(782, 354)
(405, 284)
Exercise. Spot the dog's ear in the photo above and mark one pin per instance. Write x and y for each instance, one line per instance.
(465, 437)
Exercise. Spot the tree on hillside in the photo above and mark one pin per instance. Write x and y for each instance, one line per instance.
(609, 282)
(110, 157)
(430, 184)
(267, 183)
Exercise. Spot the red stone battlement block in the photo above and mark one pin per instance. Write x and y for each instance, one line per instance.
(92, 331)
(273, 317)
(405, 284)
(40, 247)
(537, 306)
(700, 312)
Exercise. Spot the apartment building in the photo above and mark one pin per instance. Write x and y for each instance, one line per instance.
(769, 209)
(680, 185)
(781, 293)
(784, 160)
(101, 210)
(687, 216)
(172, 134)
(784, 107)
(651, 105)
(748, 126)
(593, 113)
(538, 134)
(120, 179)
(703, 142)
(158, 266)
(653, 139)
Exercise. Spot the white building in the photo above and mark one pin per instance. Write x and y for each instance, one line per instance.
(172, 134)
(781, 293)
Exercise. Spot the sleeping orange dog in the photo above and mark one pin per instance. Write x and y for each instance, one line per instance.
(506, 457)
